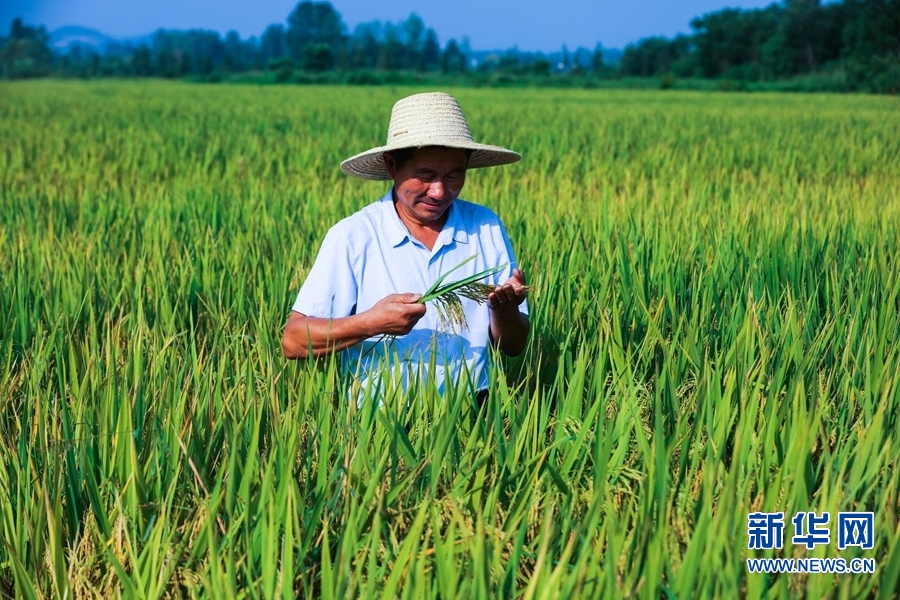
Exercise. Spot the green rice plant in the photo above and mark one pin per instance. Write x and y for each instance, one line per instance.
(447, 297)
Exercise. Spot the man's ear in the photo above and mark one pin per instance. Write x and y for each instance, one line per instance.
(390, 164)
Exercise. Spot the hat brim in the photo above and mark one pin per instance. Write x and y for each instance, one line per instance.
(370, 164)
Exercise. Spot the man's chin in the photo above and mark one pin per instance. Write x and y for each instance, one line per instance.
(434, 210)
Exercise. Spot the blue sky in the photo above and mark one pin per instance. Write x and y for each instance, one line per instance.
(543, 25)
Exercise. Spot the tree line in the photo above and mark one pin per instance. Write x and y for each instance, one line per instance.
(858, 40)
(315, 39)
(850, 44)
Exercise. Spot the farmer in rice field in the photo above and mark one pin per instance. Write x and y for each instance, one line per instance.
(361, 295)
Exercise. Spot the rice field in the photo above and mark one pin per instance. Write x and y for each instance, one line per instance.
(715, 307)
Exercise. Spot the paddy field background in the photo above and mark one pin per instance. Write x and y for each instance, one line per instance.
(715, 313)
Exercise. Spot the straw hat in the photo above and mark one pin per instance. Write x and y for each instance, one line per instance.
(433, 119)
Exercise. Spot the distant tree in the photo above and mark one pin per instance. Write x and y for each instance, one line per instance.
(113, 64)
(282, 67)
(413, 29)
(577, 62)
(26, 52)
(311, 24)
(597, 64)
(655, 56)
(242, 53)
(871, 45)
(364, 49)
(638, 59)
(317, 57)
(182, 63)
(566, 58)
(541, 66)
(178, 53)
(453, 60)
(489, 63)
(872, 30)
(272, 44)
(205, 65)
(94, 62)
(142, 62)
(373, 30)
(798, 44)
(392, 52)
(431, 51)
(165, 65)
(73, 65)
(732, 38)
(409, 34)
(509, 63)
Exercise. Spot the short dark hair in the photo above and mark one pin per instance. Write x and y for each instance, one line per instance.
(402, 155)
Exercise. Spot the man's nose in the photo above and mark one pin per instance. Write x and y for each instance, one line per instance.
(436, 190)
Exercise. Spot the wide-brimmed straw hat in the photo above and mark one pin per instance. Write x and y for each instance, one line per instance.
(432, 119)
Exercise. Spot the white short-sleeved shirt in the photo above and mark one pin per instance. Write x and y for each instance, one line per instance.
(371, 254)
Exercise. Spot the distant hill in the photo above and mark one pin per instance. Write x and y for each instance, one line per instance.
(66, 39)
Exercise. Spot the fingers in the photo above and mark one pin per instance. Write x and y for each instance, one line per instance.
(411, 314)
(407, 298)
(517, 280)
(519, 276)
(408, 306)
(396, 314)
(510, 294)
(506, 296)
(411, 305)
(410, 311)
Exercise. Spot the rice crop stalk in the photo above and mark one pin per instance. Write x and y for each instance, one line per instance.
(448, 297)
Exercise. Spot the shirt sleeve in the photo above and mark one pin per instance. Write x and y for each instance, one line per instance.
(331, 287)
(507, 256)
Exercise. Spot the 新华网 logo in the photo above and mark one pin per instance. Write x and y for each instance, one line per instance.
(766, 531)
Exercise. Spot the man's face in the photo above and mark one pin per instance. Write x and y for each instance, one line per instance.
(428, 183)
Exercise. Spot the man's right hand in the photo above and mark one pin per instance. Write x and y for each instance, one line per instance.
(307, 336)
(395, 314)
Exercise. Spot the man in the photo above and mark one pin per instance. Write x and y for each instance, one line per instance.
(361, 295)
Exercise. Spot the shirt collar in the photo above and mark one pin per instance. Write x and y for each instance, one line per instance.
(394, 229)
(397, 233)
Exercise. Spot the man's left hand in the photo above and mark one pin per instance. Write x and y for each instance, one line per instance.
(507, 297)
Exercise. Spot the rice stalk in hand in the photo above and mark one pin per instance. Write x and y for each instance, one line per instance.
(447, 298)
